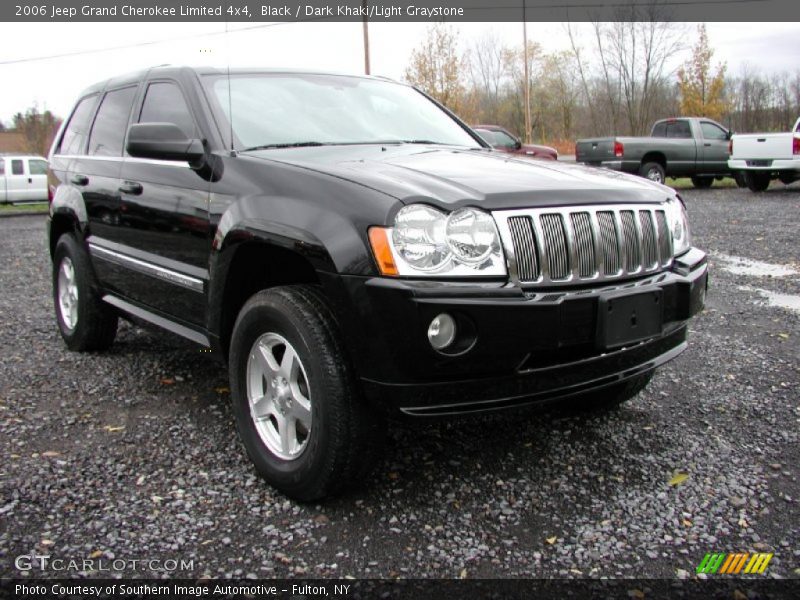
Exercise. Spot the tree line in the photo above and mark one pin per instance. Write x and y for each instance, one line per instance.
(616, 80)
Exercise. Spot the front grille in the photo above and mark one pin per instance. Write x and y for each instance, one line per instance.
(555, 246)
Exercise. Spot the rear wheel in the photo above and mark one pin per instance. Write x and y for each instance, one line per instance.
(787, 178)
(740, 179)
(84, 320)
(758, 182)
(702, 183)
(299, 409)
(652, 171)
(614, 395)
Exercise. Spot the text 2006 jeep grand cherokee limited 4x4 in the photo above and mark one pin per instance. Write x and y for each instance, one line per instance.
(352, 249)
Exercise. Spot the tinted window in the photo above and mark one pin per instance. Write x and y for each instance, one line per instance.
(679, 129)
(38, 167)
(164, 103)
(75, 134)
(17, 167)
(2, 167)
(503, 139)
(659, 130)
(108, 131)
(487, 135)
(712, 132)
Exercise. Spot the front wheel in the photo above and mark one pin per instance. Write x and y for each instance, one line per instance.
(299, 409)
(653, 171)
(757, 182)
(84, 320)
(702, 183)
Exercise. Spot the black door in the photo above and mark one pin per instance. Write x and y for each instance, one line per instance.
(164, 210)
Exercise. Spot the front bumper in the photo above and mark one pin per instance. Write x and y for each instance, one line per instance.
(529, 345)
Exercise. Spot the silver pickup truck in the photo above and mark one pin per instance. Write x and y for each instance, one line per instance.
(679, 147)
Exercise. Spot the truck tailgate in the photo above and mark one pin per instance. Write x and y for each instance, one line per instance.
(775, 146)
(594, 149)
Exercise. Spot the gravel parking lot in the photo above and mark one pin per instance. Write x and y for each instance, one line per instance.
(133, 454)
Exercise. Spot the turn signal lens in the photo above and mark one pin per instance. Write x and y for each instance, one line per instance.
(379, 241)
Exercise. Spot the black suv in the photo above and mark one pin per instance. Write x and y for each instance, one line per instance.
(353, 249)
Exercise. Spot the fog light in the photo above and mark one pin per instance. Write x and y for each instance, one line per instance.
(442, 331)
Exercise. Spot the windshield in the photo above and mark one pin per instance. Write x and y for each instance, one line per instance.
(288, 109)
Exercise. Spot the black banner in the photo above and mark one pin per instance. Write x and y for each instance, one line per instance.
(473, 589)
(401, 10)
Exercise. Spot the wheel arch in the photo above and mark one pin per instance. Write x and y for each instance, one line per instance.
(654, 156)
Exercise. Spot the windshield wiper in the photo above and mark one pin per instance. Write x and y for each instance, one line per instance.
(285, 145)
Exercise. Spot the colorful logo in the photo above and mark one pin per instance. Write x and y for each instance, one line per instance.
(734, 564)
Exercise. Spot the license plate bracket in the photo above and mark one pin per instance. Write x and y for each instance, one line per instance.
(626, 318)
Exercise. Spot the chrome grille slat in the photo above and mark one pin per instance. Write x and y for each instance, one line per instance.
(555, 238)
(664, 238)
(609, 242)
(649, 249)
(584, 245)
(525, 241)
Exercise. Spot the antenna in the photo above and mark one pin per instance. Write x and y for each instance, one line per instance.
(230, 97)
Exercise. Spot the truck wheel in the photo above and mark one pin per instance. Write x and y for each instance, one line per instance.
(613, 396)
(299, 410)
(758, 182)
(702, 183)
(787, 178)
(84, 320)
(740, 179)
(653, 171)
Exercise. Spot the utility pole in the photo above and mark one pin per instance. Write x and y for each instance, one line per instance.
(527, 136)
(366, 38)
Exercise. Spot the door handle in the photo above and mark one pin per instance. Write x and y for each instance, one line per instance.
(30, 179)
(80, 180)
(707, 144)
(131, 187)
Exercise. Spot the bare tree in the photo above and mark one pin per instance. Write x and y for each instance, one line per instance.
(37, 128)
(436, 67)
(489, 66)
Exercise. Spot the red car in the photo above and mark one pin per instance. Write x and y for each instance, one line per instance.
(503, 140)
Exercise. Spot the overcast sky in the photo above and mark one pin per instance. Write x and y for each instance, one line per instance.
(54, 83)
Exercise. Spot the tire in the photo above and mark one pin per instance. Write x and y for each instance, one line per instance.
(333, 435)
(757, 182)
(740, 179)
(86, 323)
(653, 171)
(613, 396)
(787, 178)
(702, 183)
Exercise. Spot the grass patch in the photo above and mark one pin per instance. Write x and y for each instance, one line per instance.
(684, 183)
(37, 207)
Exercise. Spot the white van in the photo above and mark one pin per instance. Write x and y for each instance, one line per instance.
(22, 178)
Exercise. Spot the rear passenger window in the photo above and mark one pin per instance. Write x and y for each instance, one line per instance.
(78, 128)
(17, 167)
(659, 130)
(111, 123)
(164, 103)
(2, 167)
(38, 167)
(679, 129)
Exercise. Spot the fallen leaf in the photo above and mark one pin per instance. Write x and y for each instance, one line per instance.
(49, 453)
(636, 594)
(743, 523)
(678, 479)
(222, 390)
(114, 428)
(687, 523)
(463, 574)
(394, 475)
(47, 542)
(96, 554)
(167, 381)
(551, 540)
(783, 336)
(140, 480)
(156, 499)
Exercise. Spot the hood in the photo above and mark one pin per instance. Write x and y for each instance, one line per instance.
(452, 177)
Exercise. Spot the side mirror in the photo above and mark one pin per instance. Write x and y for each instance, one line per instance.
(517, 144)
(730, 135)
(163, 141)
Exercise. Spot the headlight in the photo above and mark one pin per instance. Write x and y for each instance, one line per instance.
(426, 242)
(678, 226)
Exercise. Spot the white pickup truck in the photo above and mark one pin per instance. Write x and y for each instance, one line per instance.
(22, 178)
(761, 157)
